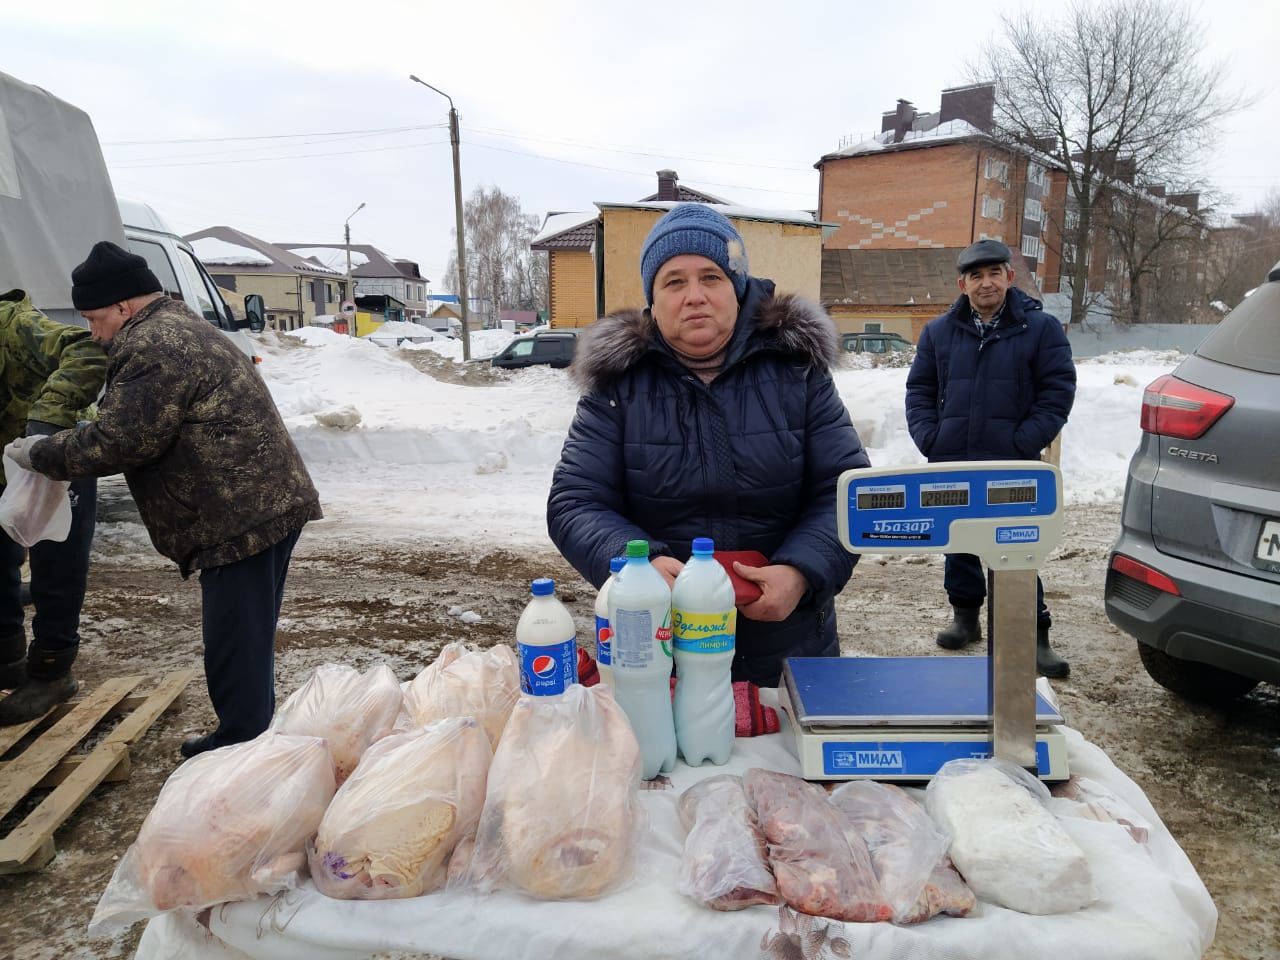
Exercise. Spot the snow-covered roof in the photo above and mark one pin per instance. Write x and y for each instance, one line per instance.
(802, 217)
(214, 252)
(400, 329)
(560, 222)
(335, 258)
(951, 130)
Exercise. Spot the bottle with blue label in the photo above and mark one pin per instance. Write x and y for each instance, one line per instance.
(704, 623)
(546, 643)
(640, 617)
(604, 632)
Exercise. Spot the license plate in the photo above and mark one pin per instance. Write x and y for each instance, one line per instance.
(1269, 542)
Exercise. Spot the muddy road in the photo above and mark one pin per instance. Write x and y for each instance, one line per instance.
(1214, 775)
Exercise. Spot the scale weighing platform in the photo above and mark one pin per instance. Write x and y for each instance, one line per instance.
(898, 718)
(901, 718)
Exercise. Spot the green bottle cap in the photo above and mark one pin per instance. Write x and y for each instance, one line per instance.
(637, 548)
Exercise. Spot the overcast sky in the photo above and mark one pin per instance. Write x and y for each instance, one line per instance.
(561, 103)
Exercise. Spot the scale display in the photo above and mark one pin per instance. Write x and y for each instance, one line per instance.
(996, 508)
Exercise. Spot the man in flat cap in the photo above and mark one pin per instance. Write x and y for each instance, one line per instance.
(218, 483)
(992, 379)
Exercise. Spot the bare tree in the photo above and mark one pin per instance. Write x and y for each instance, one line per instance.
(1116, 92)
(1242, 253)
(502, 272)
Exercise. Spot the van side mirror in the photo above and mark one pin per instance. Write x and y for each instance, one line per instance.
(255, 312)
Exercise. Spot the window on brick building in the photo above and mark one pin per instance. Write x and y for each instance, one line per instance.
(992, 208)
(1033, 210)
(1035, 173)
(1031, 248)
(997, 170)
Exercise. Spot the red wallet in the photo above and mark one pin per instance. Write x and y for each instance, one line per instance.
(744, 591)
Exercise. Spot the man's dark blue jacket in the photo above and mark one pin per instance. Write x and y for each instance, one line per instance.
(750, 460)
(1004, 398)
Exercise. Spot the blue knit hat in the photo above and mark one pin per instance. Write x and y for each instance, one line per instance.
(696, 228)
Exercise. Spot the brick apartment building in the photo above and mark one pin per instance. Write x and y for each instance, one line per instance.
(926, 187)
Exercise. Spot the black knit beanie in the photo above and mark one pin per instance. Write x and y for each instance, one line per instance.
(110, 275)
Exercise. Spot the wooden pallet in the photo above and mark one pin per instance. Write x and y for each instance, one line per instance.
(47, 761)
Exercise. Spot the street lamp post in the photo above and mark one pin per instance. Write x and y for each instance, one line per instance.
(346, 230)
(457, 211)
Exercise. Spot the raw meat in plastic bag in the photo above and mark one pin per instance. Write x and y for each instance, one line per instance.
(1090, 800)
(462, 682)
(818, 870)
(349, 709)
(1010, 849)
(392, 827)
(228, 825)
(908, 851)
(725, 863)
(562, 815)
(33, 507)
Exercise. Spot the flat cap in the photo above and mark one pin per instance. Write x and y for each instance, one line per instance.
(982, 253)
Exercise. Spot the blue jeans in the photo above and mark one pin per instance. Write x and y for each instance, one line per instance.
(966, 585)
(59, 572)
(240, 607)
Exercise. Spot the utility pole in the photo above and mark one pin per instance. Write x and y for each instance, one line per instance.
(454, 140)
(346, 229)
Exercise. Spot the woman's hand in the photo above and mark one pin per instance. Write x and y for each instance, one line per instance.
(669, 567)
(782, 587)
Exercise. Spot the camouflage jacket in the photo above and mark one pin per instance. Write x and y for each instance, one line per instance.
(52, 371)
(193, 428)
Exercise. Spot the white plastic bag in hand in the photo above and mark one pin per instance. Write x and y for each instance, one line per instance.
(33, 507)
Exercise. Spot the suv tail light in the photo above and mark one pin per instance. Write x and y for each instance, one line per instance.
(1175, 408)
(1144, 574)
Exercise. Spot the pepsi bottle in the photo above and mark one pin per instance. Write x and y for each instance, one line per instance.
(546, 643)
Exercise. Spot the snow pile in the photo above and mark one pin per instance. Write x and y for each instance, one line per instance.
(484, 344)
(469, 461)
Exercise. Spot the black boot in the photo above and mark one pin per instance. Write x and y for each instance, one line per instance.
(49, 683)
(1048, 663)
(13, 661)
(194, 746)
(962, 631)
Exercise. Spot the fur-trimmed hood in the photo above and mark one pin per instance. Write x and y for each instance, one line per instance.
(786, 324)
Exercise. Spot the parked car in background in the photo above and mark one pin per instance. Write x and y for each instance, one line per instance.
(875, 343)
(1195, 573)
(548, 346)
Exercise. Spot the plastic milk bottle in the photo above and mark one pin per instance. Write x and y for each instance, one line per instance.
(604, 632)
(546, 643)
(703, 623)
(640, 617)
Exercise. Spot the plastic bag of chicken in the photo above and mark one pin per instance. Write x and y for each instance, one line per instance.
(391, 828)
(908, 851)
(348, 708)
(562, 816)
(462, 682)
(229, 824)
(725, 862)
(820, 870)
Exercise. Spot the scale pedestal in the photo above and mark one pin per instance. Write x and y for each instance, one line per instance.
(900, 718)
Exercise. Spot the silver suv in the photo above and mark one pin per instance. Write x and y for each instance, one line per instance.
(1195, 573)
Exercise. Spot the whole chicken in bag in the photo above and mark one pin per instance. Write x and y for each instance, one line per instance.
(349, 709)
(392, 827)
(561, 815)
(228, 825)
(462, 682)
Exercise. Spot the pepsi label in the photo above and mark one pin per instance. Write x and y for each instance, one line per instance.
(548, 670)
(604, 640)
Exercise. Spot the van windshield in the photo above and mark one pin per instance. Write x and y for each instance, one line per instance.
(158, 263)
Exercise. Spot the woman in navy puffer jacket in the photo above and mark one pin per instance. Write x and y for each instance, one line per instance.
(713, 414)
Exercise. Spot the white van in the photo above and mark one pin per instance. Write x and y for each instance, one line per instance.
(181, 273)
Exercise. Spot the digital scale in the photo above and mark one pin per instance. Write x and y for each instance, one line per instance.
(901, 718)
